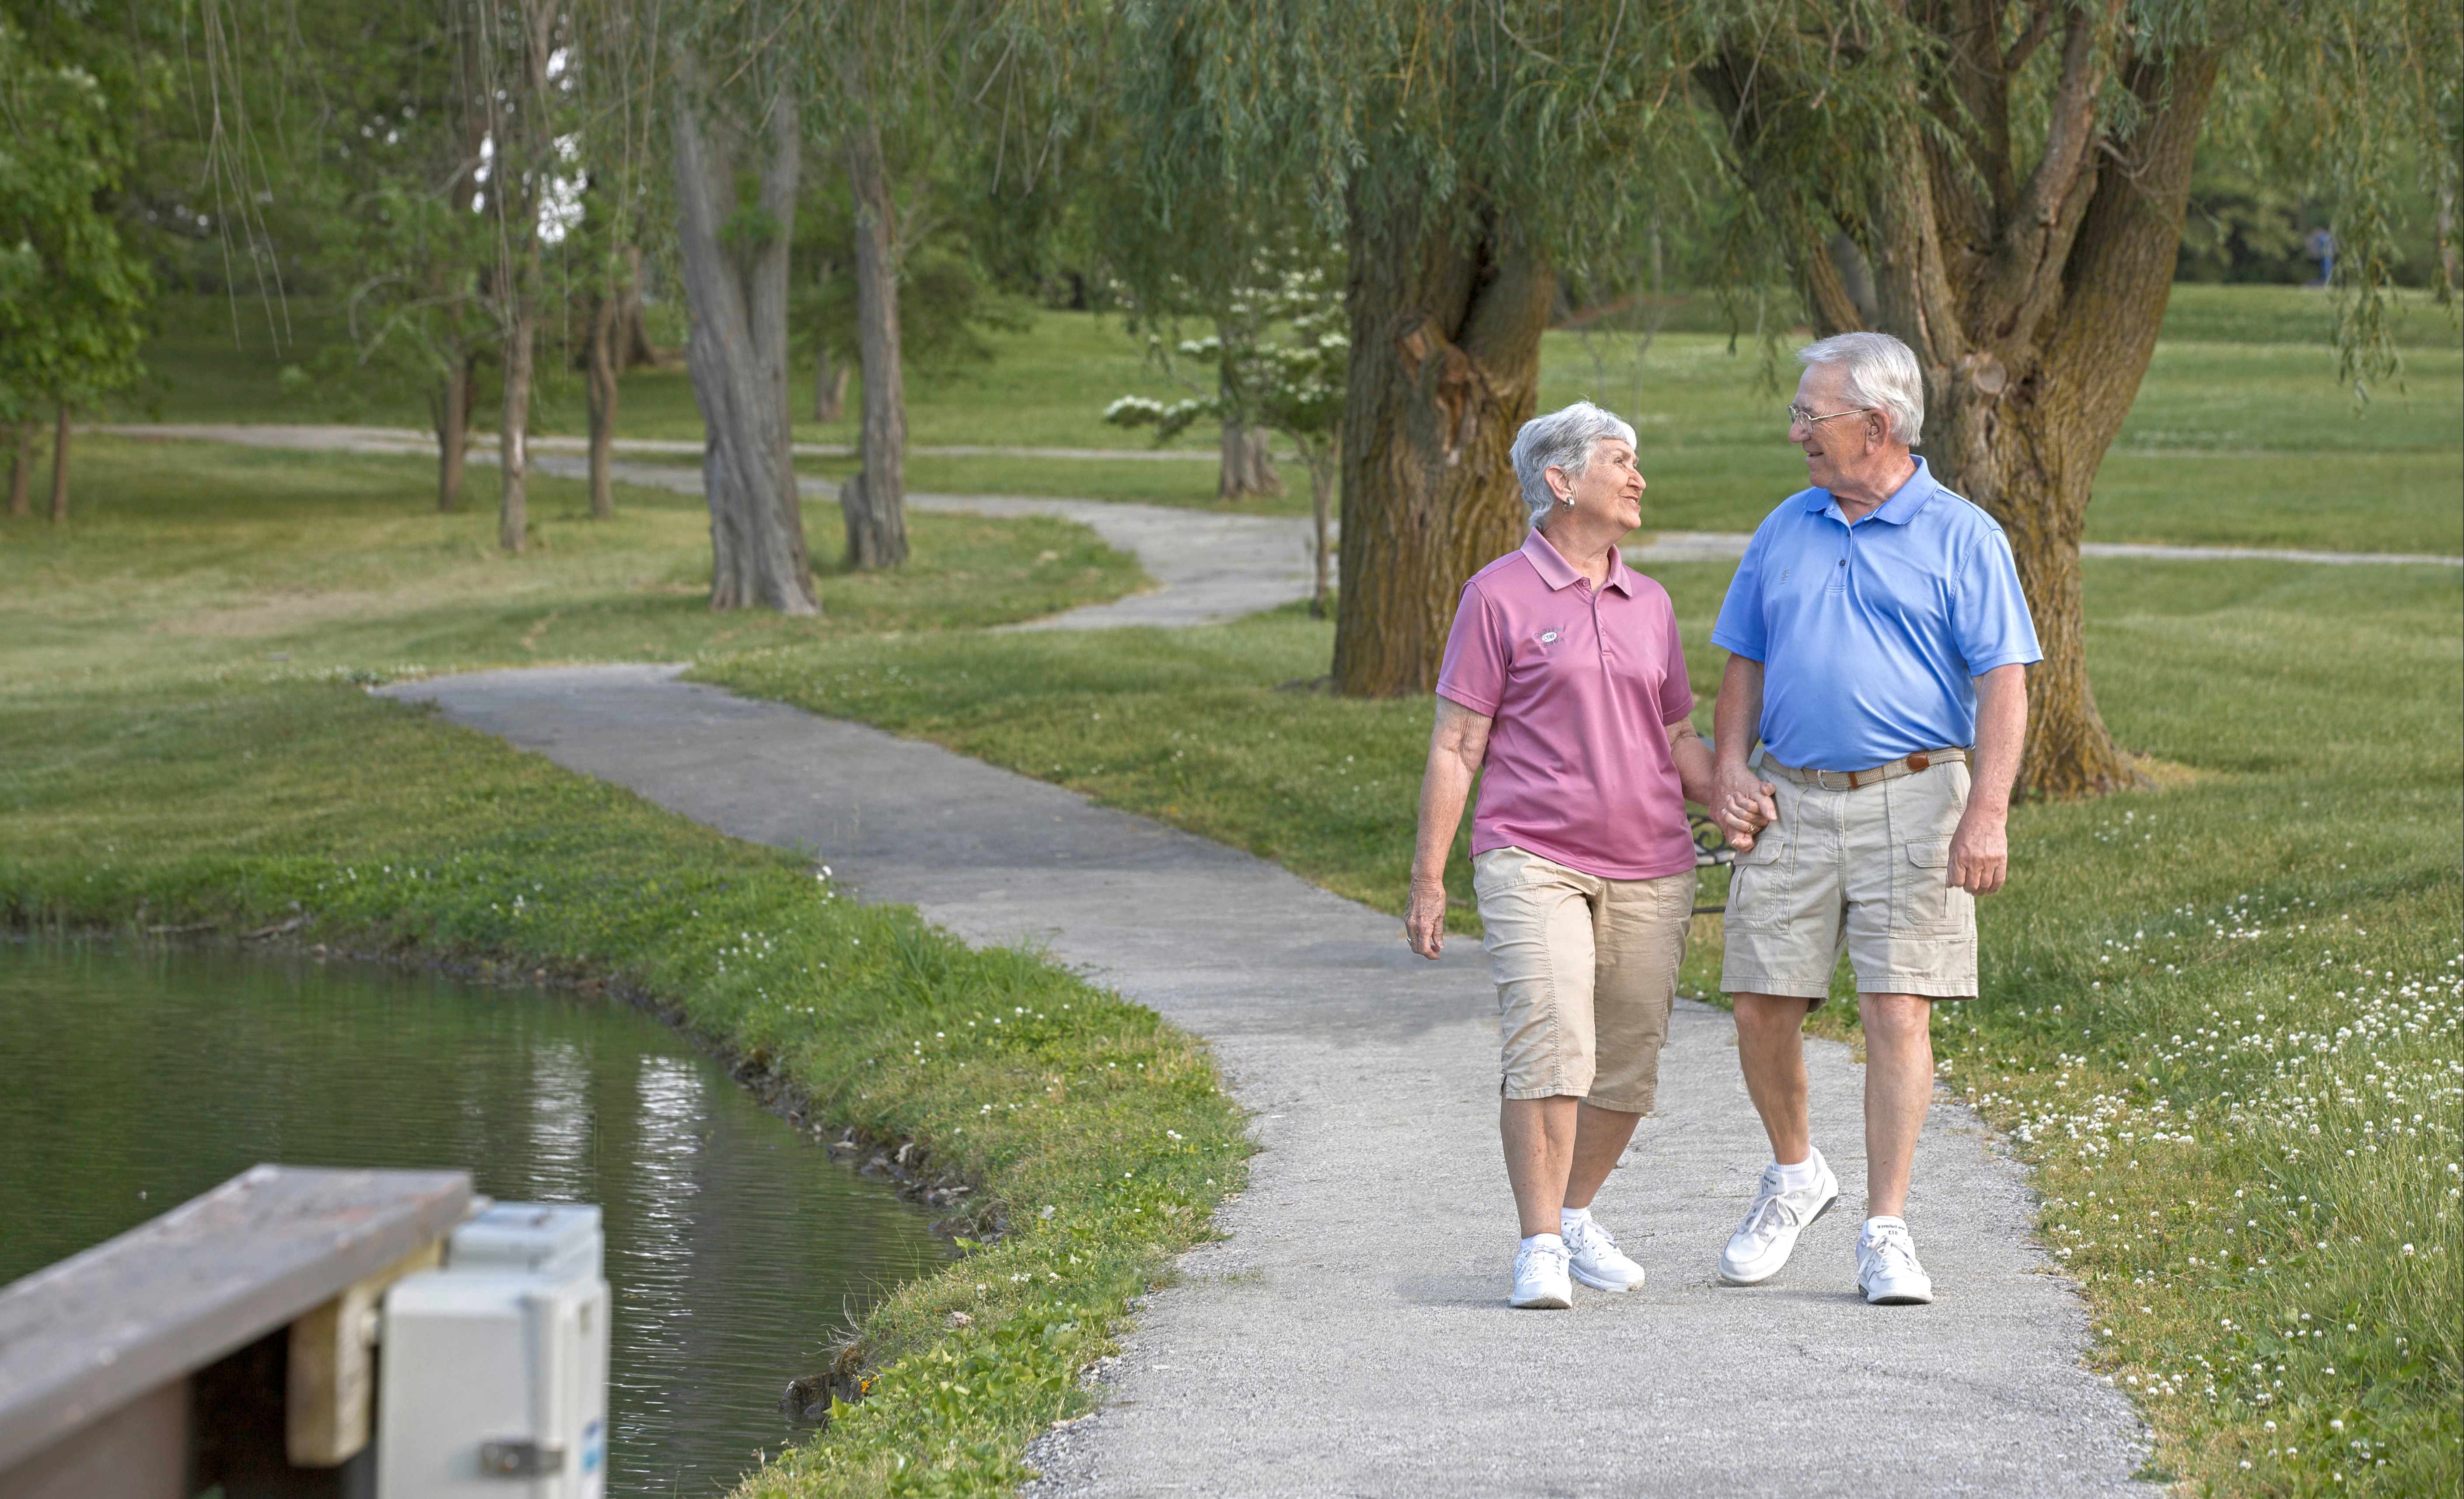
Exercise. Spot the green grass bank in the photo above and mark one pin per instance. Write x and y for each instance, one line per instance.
(158, 773)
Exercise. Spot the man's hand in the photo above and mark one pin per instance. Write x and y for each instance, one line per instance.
(1980, 853)
(1746, 806)
(1424, 918)
(1743, 806)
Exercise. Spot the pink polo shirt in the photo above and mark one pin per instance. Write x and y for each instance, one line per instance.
(1581, 686)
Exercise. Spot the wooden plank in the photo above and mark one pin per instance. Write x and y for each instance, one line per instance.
(330, 1381)
(85, 1337)
(138, 1451)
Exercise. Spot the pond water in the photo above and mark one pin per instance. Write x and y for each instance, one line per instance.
(130, 1082)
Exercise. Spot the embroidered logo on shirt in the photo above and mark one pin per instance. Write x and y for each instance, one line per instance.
(1546, 637)
(1783, 574)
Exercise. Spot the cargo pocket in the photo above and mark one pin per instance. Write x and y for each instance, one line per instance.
(1924, 904)
(1758, 882)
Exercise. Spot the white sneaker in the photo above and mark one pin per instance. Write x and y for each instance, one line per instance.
(1763, 1243)
(1888, 1270)
(1595, 1259)
(1540, 1282)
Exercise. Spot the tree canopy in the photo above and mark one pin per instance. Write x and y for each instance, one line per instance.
(74, 293)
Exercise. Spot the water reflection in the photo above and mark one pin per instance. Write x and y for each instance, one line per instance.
(736, 1250)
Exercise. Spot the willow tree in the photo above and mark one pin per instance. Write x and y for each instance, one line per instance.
(911, 76)
(737, 157)
(2012, 174)
(1467, 155)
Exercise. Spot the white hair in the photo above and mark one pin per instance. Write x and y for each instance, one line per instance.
(1882, 375)
(1562, 440)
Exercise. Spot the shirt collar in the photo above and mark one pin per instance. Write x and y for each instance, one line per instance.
(1559, 573)
(1900, 508)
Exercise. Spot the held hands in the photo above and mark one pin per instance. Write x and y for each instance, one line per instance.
(1746, 806)
(1424, 916)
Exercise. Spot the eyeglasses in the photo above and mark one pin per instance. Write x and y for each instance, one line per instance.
(1797, 414)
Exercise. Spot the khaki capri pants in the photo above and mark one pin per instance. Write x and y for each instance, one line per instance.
(1586, 972)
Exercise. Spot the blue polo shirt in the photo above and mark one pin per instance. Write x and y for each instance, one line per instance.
(1870, 634)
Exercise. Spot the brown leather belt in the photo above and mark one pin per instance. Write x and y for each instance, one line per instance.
(1851, 780)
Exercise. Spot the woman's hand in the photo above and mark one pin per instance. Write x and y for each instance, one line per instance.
(1746, 806)
(1424, 916)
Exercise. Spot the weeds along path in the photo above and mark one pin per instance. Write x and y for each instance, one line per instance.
(1349, 1335)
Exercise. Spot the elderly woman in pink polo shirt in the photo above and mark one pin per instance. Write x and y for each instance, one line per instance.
(1564, 680)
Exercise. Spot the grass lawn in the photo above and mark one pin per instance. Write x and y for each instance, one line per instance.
(2181, 983)
(2240, 434)
(196, 553)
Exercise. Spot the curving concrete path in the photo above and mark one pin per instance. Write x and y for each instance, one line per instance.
(340, 439)
(1351, 1335)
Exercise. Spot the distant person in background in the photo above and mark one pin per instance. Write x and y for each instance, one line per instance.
(2321, 247)
(1878, 645)
(1565, 681)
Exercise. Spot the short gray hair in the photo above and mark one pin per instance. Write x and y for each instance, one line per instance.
(1883, 374)
(1561, 439)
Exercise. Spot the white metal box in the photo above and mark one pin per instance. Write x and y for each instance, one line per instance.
(494, 1373)
(557, 1240)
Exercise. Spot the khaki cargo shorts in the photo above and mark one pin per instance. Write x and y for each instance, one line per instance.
(1586, 971)
(1868, 869)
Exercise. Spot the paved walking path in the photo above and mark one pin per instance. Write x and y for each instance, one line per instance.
(1352, 1335)
(548, 453)
(1207, 566)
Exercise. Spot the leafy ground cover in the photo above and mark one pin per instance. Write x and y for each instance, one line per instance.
(2181, 983)
(2240, 434)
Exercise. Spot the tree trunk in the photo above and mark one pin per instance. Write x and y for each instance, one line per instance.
(1445, 367)
(875, 504)
(829, 386)
(21, 472)
(61, 465)
(600, 356)
(738, 357)
(513, 435)
(2031, 291)
(2024, 424)
(451, 405)
(632, 341)
(1323, 456)
(1248, 465)
(2034, 476)
(2445, 226)
(524, 152)
(1856, 280)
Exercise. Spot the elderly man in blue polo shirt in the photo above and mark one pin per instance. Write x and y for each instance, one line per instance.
(1879, 645)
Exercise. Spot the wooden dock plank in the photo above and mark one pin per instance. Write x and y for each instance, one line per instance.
(80, 1338)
